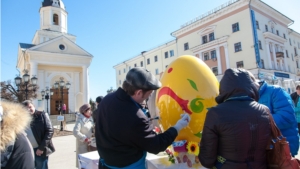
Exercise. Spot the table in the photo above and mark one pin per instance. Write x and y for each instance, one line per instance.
(162, 162)
(90, 160)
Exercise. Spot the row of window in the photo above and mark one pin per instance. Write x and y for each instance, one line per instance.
(210, 55)
(240, 64)
(167, 54)
(277, 33)
(237, 46)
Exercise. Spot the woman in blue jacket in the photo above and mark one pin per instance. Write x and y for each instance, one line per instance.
(282, 108)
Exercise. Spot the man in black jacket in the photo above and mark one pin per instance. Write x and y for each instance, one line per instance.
(40, 134)
(124, 134)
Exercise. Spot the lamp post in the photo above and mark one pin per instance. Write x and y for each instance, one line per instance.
(26, 80)
(46, 95)
(61, 85)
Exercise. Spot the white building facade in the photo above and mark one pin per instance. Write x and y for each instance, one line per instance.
(238, 34)
(54, 54)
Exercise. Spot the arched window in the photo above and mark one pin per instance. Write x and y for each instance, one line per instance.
(55, 19)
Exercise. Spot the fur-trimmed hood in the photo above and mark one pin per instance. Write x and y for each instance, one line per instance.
(14, 121)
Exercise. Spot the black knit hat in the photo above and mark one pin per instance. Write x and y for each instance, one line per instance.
(143, 79)
(99, 99)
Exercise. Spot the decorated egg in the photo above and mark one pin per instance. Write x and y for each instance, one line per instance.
(188, 86)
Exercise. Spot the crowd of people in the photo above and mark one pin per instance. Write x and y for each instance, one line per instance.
(237, 129)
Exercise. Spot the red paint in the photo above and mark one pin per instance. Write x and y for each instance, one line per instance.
(170, 70)
(183, 103)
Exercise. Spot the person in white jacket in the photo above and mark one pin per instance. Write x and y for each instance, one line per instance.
(83, 130)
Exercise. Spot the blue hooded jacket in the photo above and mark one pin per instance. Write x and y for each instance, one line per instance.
(282, 108)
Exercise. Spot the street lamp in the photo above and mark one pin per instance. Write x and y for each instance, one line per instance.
(26, 79)
(46, 95)
(61, 85)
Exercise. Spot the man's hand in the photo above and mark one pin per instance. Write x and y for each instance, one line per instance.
(39, 152)
(182, 122)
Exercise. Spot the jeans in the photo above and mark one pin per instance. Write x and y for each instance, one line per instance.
(40, 161)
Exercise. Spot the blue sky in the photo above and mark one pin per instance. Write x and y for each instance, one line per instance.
(111, 30)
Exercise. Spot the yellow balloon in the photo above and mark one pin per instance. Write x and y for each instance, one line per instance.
(188, 85)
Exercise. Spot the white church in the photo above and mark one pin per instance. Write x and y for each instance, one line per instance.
(54, 57)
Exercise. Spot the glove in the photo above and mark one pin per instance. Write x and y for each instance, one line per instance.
(182, 122)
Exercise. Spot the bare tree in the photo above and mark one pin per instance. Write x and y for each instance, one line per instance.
(93, 105)
(13, 93)
(110, 90)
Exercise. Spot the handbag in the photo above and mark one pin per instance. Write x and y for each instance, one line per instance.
(278, 150)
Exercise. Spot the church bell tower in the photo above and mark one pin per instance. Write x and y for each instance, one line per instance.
(53, 16)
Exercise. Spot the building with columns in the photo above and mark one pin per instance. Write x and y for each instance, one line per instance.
(54, 55)
(247, 34)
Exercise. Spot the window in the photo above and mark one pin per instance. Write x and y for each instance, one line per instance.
(287, 54)
(166, 55)
(129, 67)
(171, 53)
(206, 56)
(119, 82)
(142, 64)
(124, 70)
(292, 57)
(272, 29)
(262, 63)
(284, 36)
(148, 61)
(215, 70)
(211, 36)
(156, 71)
(119, 72)
(186, 46)
(259, 44)
(276, 48)
(240, 64)
(62, 47)
(238, 47)
(297, 65)
(257, 25)
(266, 28)
(290, 41)
(296, 53)
(213, 54)
(204, 39)
(55, 19)
(135, 65)
(155, 59)
(277, 32)
(235, 27)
